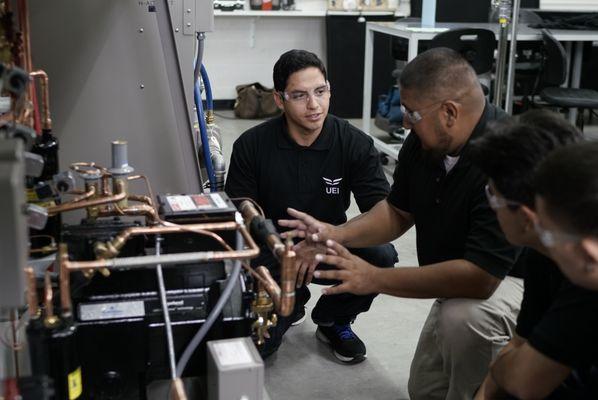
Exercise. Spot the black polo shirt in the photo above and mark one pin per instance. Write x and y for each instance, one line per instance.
(268, 166)
(557, 318)
(452, 217)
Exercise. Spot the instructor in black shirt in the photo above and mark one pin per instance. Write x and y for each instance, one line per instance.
(465, 257)
(313, 161)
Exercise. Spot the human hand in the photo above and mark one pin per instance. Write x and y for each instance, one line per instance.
(306, 262)
(355, 274)
(307, 227)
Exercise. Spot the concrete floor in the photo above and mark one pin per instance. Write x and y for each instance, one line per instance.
(304, 368)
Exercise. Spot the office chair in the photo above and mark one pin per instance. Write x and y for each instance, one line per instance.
(475, 45)
(554, 73)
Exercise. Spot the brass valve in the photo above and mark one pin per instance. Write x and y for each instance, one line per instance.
(262, 307)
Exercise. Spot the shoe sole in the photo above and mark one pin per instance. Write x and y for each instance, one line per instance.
(299, 321)
(346, 360)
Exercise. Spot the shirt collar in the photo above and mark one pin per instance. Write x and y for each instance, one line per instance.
(478, 131)
(323, 142)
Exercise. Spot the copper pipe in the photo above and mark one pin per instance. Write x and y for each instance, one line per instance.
(141, 199)
(249, 211)
(179, 258)
(143, 209)
(269, 285)
(288, 278)
(70, 206)
(50, 320)
(44, 87)
(32, 300)
(147, 185)
(85, 195)
(111, 249)
(24, 25)
(65, 280)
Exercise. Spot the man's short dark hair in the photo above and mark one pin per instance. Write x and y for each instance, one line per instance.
(436, 71)
(512, 149)
(291, 62)
(568, 182)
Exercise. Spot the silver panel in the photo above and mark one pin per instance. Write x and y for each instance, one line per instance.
(13, 228)
(109, 80)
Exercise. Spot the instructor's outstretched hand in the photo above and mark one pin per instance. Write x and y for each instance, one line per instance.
(356, 275)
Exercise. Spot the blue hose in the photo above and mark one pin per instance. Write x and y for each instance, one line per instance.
(206, 82)
(203, 131)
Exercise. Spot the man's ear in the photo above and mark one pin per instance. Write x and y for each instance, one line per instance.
(278, 100)
(530, 217)
(451, 112)
(590, 247)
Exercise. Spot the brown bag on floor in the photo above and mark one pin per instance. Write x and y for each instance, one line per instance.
(255, 101)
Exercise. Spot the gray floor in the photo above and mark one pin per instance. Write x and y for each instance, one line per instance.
(304, 368)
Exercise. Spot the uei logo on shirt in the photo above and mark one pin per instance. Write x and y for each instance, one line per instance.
(332, 185)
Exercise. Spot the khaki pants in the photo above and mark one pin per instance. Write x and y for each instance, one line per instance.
(459, 340)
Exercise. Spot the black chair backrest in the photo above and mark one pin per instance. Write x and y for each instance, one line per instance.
(475, 45)
(554, 65)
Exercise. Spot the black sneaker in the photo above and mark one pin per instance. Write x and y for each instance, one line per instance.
(345, 344)
(299, 317)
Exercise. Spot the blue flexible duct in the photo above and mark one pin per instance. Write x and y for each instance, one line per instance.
(208, 87)
(203, 132)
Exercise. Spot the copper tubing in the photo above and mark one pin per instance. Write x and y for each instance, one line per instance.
(32, 300)
(269, 285)
(147, 185)
(65, 281)
(50, 318)
(179, 258)
(177, 390)
(84, 196)
(24, 26)
(142, 209)
(288, 278)
(70, 206)
(141, 199)
(114, 246)
(44, 87)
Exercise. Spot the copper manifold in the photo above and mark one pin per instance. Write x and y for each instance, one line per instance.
(77, 205)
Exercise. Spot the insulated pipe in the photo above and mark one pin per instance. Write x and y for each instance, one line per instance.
(203, 131)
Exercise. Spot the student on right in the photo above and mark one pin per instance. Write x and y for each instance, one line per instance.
(567, 204)
(557, 326)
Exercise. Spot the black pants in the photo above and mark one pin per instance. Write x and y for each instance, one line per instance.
(340, 308)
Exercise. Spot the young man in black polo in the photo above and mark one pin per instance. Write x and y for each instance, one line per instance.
(309, 159)
(465, 257)
(567, 201)
(554, 313)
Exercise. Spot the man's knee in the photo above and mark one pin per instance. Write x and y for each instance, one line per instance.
(461, 324)
(384, 256)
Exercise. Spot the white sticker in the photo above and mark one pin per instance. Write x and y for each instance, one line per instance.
(218, 200)
(181, 203)
(232, 353)
(101, 311)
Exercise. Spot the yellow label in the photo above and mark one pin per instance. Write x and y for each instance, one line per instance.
(75, 385)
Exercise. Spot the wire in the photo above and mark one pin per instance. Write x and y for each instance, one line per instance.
(224, 297)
